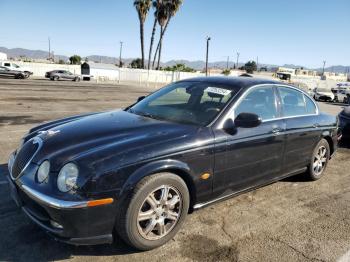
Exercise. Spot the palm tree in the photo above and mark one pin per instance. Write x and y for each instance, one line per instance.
(155, 5)
(142, 8)
(172, 7)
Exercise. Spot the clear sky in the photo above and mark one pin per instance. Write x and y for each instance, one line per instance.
(304, 32)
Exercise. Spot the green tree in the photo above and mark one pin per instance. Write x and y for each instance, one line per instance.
(250, 67)
(136, 63)
(179, 68)
(226, 72)
(142, 8)
(75, 60)
(155, 4)
(166, 10)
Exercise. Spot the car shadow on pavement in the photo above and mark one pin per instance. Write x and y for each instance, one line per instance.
(22, 240)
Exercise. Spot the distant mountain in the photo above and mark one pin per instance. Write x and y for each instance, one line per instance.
(336, 69)
(34, 54)
(198, 64)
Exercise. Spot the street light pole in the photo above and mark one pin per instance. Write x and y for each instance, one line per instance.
(120, 54)
(237, 60)
(49, 49)
(324, 64)
(206, 60)
(228, 61)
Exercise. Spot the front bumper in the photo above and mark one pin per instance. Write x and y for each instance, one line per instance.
(72, 222)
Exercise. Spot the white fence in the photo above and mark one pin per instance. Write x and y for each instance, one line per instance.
(153, 77)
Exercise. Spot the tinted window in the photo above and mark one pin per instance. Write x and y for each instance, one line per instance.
(7, 64)
(190, 102)
(260, 101)
(292, 102)
(310, 106)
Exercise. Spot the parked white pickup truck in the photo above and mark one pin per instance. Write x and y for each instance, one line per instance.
(13, 66)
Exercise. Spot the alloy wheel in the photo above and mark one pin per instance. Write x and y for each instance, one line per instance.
(159, 213)
(320, 160)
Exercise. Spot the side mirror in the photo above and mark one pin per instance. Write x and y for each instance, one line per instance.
(140, 98)
(247, 120)
(229, 127)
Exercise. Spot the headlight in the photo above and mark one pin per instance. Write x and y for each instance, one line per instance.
(67, 178)
(43, 171)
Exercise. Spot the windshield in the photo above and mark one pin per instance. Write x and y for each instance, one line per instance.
(15, 66)
(196, 103)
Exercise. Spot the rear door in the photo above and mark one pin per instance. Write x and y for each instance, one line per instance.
(302, 133)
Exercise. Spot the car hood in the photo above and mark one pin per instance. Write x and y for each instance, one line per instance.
(115, 132)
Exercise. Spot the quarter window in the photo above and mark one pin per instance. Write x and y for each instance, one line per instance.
(260, 101)
(310, 106)
(293, 103)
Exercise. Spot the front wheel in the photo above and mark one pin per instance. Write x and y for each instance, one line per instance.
(319, 160)
(155, 211)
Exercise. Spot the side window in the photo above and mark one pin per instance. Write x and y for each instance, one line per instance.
(310, 106)
(260, 101)
(7, 64)
(293, 103)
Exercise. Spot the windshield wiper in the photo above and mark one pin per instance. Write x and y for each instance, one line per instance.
(145, 114)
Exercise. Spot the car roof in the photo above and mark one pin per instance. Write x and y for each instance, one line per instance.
(233, 82)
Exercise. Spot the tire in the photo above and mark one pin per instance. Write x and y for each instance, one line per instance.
(55, 78)
(133, 231)
(319, 160)
(345, 100)
(19, 76)
(77, 79)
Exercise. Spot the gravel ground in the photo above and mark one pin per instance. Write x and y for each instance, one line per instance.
(292, 220)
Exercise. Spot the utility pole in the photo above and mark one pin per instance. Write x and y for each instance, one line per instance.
(49, 49)
(257, 63)
(324, 64)
(228, 61)
(206, 60)
(120, 54)
(237, 60)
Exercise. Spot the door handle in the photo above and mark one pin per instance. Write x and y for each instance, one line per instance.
(277, 130)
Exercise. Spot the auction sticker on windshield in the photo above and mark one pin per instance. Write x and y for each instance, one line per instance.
(217, 90)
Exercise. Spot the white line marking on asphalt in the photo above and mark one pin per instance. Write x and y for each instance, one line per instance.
(3, 182)
(345, 257)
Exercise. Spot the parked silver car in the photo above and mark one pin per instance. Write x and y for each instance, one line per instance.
(5, 72)
(62, 74)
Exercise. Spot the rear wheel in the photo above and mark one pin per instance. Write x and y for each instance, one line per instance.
(19, 76)
(319, 160)
(155, 211)
(55, 78)
(77, 79)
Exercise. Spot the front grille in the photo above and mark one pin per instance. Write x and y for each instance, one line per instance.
(24, 156)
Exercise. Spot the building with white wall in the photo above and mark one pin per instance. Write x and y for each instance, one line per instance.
(3, 56)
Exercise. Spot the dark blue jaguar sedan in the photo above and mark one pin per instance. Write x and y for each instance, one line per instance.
(136, 173)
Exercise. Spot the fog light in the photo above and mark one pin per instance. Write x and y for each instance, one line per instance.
(55, 224)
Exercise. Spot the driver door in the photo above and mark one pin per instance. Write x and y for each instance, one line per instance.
(250, 156)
